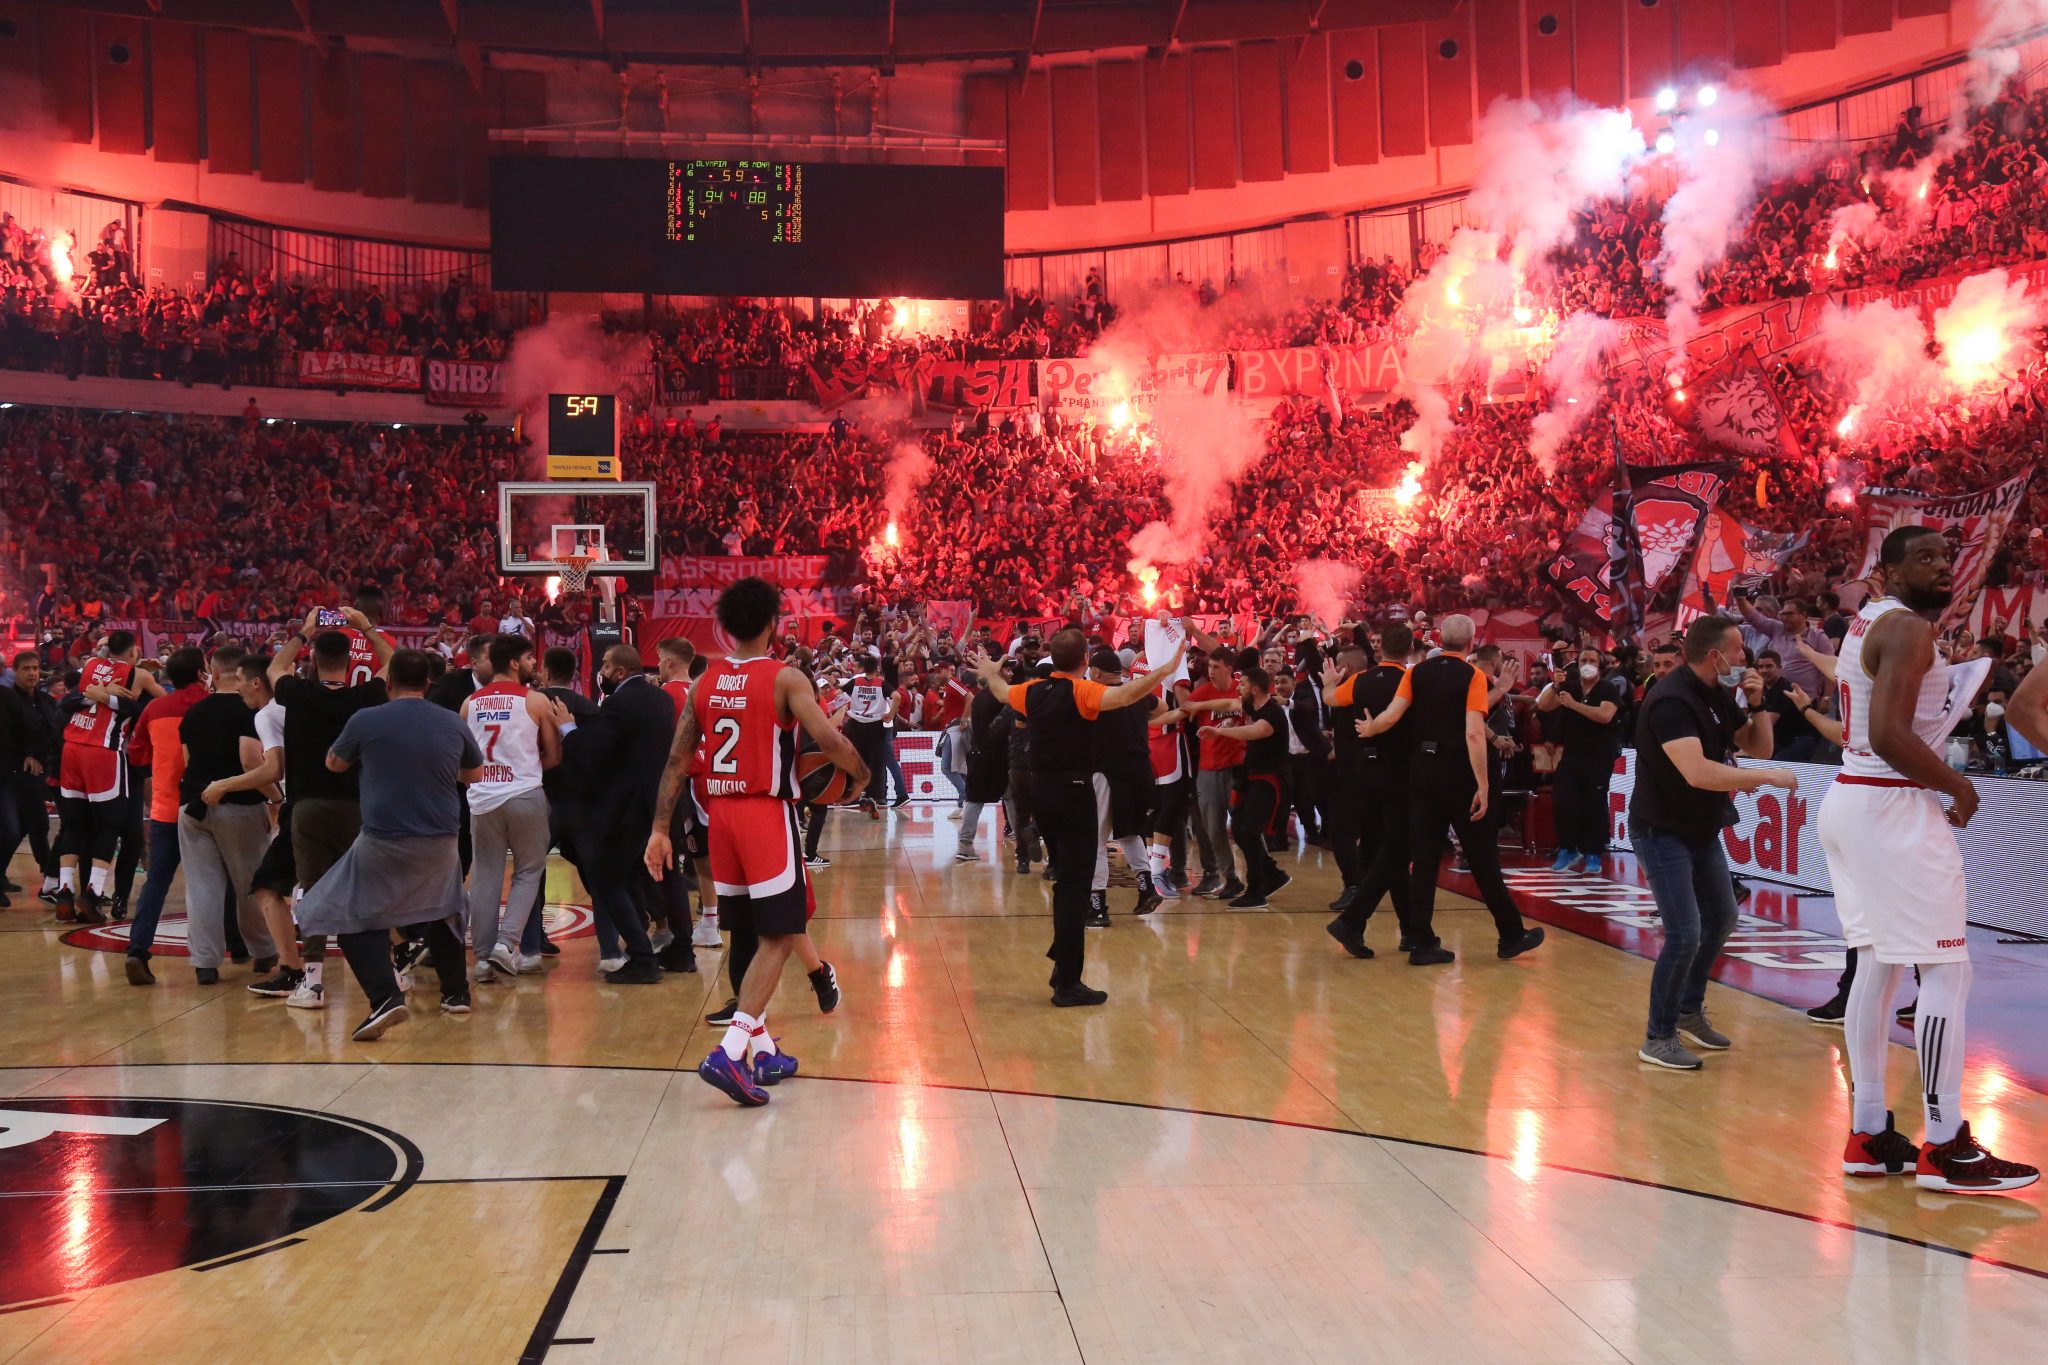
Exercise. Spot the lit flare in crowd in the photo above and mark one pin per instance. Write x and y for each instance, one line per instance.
(1410, 487)
(890, 536)
(1848, 422)
(1984, 330)
(1119, 416)
(553, 585)
(60, 257)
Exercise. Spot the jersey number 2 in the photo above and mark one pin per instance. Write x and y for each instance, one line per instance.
(727, 727)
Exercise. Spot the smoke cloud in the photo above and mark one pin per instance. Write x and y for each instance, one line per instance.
(1987, 331)
(909, 466)
(1538, 167)
(1880, 352)
(566, 355)
(1324, 588)
(1206, 443)
(1722, 157)
(1575, 379)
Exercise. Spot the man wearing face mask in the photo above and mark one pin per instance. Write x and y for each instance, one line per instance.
(1590, 703)
(1690, 729)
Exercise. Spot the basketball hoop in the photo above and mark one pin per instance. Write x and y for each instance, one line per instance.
(576, 573)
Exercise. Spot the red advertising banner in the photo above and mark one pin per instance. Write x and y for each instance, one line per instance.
(971, 385)
(1357, 371)
(465, 383)
(688, 585)
(352, 370)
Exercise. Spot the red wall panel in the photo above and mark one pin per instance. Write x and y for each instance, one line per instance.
(1259, 120)
(525, 105)
(174, 93)
(1702, 31)
(1650, 44)
(1450, 79)
(1355, 104)
(1073, 135)
(1759, 32)
(433, 104)
(18, 64)
(1550, 54)
(1596, 69)
(1866, 16)
(480, 108)
(1214, 117)
(281, 110)
(1497, 49)
(1120, 125)
(64, 43)
(1308, 107)
(1920, 9)
(984, 111)
(117, 86)
(1811, 25)
(1030, 142)
(1404, 90)
(334, 121)
(230, 103)
(1166, 126)
(381, 82)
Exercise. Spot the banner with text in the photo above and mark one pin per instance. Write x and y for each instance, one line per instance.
(1085, 390)
(1971, 523)
(353, 370)
(689, 585)
(465, 383)
(971, 385)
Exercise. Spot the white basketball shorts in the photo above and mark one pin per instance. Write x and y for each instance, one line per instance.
(1898, 871)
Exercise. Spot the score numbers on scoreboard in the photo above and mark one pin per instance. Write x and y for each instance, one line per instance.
(583, 436)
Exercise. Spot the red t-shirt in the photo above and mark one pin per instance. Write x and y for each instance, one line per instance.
(945, 705)
(1218, 753)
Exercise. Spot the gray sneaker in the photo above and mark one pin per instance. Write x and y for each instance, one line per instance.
(1695, 1029)
(1668, 1052)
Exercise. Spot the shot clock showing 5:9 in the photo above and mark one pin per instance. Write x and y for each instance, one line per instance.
(582, 424)
(726, 227)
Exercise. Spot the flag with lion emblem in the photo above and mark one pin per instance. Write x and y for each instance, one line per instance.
(1737, 408)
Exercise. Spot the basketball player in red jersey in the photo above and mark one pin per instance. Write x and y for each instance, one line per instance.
(92, 782)
(746, 708)
(1898, 871)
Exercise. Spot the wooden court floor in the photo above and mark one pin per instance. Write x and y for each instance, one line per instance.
(1259, 1150)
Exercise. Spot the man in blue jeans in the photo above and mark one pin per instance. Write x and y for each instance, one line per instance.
(1690, 727)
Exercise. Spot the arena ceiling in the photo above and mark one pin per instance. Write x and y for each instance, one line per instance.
(777, 32)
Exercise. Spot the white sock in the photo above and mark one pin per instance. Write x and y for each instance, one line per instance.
(1866, 1023)
(1157, 857)
(1938, 1033)
(67, 879)
(736, 1035)
(99, 878)
(313, 967)
(759, 1044)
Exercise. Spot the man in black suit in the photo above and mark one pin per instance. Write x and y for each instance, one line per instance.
(1308, 752)
(456, 684)
(615, 760)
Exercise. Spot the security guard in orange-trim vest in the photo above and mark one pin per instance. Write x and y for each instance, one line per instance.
(1444, 701)
(1062, 710)
(1370, 818)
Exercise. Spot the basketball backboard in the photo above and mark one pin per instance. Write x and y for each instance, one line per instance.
(612, 523)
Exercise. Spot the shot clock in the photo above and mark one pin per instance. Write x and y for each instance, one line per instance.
(583, 436)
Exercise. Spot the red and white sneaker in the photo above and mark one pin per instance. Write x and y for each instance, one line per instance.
(1962, 1166)
(1887, 1152)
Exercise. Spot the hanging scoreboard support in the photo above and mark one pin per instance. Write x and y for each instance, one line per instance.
(583, 436)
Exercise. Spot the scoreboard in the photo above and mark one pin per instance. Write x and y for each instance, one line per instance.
(722, 227)
(583, 436)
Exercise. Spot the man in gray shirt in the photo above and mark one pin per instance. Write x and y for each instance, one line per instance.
(1782, 627)
(403, 869)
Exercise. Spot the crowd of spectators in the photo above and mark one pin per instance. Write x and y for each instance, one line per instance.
(1021, 515)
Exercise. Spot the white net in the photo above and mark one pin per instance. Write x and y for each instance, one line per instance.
(576, 573)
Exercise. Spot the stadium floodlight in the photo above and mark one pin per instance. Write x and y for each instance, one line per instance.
(1713, 137)
(1665, 142)
(1707, 95)
(1667, 100)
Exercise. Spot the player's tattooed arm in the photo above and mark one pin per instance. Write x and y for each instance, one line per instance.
(677, 771)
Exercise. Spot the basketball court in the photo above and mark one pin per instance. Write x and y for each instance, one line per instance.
(1260, 1150)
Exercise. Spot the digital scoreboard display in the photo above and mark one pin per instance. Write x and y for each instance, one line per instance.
(730, 226)
(582, 424)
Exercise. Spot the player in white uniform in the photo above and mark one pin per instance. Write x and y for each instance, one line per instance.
(514, 725)
(1898, 872)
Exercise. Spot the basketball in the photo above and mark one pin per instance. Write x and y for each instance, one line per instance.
(818, 781)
